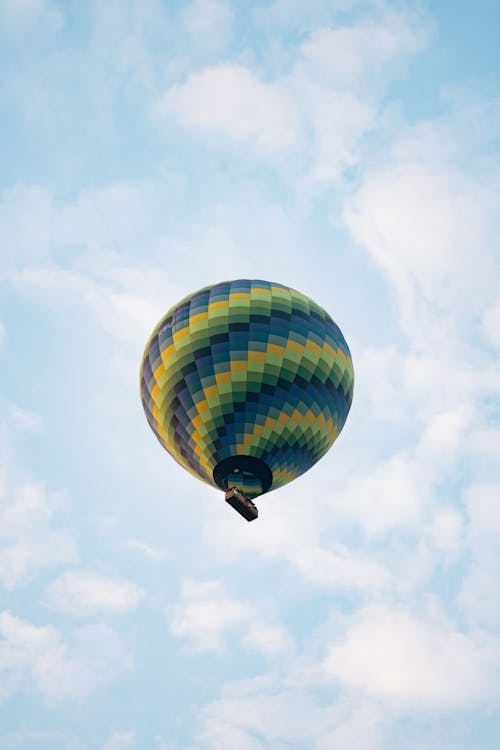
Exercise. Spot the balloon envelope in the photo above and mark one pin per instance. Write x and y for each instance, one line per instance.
(247, 384)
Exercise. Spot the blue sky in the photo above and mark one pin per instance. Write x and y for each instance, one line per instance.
(348, 149)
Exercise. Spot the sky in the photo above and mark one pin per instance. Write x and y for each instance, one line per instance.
(349, 149)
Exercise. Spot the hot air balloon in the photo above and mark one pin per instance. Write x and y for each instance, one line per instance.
(246, 384)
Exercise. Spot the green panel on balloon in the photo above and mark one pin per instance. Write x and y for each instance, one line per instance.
(247, 384)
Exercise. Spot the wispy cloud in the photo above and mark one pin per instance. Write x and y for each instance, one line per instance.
(119, 740)
(413, 662)
(303, 539)
(83, 593)
(253, 713)
(34, 532)
(316, 113)
(38, 659)
(29, 543)
(207, 615)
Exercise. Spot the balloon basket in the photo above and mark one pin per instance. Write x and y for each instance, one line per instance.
(242, 504)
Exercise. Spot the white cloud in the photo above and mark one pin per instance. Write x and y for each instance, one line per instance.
(119, 740)
(84, 593)
(429, 221)
(412, 662)
(441, 442)
(38, 659)
(230, 100)
(33, 536)
(401, 493)
(302, 537)
(385, 663)
(427, 213)
(316, 113)
(322, 544)
(126, 313)
(393, 495)
(29, 538)
(207, 615)
(266, 711)
(418, 219)
(428, 218)
(353, 55)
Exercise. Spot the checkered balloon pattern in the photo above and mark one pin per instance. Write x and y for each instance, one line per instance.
(247, 369)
